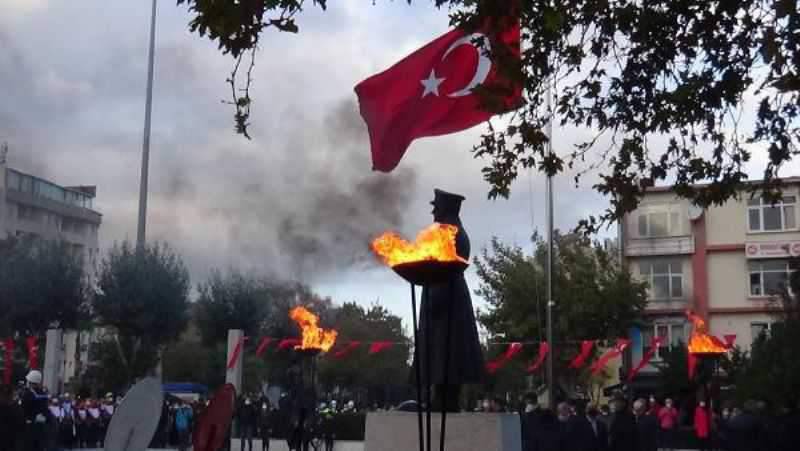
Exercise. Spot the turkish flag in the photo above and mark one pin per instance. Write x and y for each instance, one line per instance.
(431, 91)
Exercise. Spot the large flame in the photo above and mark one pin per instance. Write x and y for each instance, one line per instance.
(314, 337)
(701, 342)
(435, 243)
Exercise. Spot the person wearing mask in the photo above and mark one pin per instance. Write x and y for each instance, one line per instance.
(667, 425)
(265, 425)
(605, 416)
(654, 406)
(56, 418)
(82, 424)
(744, 428)
(583, 432)
(106, 412)
(646, 427)
(622, 432)
(248, 419)
(10, 420)
(95, 423)
(34, 412)
(702, 426)
(66, 433)
(548, 436)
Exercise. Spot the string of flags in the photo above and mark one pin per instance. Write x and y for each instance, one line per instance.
(9, 345)
(343, 349)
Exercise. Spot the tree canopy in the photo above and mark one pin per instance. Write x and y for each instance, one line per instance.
(677, 92)
(42, 285)
(594, 297)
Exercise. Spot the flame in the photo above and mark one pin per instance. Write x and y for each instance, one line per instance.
(701, 342)
(314, 337)
(437, 242)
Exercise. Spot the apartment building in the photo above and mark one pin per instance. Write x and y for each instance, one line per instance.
(725, 263)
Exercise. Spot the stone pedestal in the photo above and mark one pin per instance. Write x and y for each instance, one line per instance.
(397, 431)
(234, 375)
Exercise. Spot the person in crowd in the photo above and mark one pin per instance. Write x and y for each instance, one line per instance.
(578, 432)
(66, 432)
(55, 418)
(529, 420)
(10, 420)
(667, 425)
(702, 426)
(183, 424)
(548, 435)
(653, 406)
(248, 421)
(786, 428)
(265, 424)
(35, 412)
(646, 427)
(82, 424)
(95, 424)
(745, 429)
(605, 416)
(623, 432)
(599, 428)
(106, 412)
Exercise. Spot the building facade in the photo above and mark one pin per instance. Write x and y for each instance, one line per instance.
(725, 262)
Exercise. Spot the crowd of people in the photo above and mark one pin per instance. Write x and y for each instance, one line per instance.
(648, 425)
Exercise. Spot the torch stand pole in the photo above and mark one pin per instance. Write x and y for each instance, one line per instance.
(417, 366)
(445, 396)
(427, 305)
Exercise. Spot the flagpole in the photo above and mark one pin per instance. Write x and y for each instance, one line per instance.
(550, 303)
(141, 229)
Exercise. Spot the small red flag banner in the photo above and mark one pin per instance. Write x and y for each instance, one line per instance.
(586, 351)
(544, 348)
(236, 351)
(346, 349)
(655, 342)
(379, 346)
(512, 350)
(288, 343)
(612, 353)
(730, 340)
(33, 352)
(262, 346)
(8, 360)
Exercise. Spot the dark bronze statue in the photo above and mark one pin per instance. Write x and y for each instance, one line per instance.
(449, 305)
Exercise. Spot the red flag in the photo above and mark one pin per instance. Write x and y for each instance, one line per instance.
(430, 92)
(8, 360)
(380, 346)
(544, 348)
(33, 352)
(730, 339)
(612, 353)
(287, 343)
(586, 351)
(655, 342)
(347, 349)
(512, 350)
(262, 347)
(236, 351)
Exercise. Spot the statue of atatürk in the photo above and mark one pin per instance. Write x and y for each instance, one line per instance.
(465, 359)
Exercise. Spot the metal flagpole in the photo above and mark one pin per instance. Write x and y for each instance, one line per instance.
(140, 231)
(550, 303)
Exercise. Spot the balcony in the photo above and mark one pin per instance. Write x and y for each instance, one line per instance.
(672, 245)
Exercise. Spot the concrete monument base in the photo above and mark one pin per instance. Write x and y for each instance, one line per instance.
(397, 431)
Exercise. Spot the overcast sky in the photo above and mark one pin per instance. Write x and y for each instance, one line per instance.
(299, 200)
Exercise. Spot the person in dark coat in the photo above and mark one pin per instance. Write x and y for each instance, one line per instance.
(548, 433)
(622, 433)
(744, 430)
(449, 305)
(529, 420)
(598, 428)
(646, 427)
(248, 421)
(10, 420)
(579, 434)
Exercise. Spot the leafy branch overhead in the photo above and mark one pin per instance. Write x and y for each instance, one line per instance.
(673, 92)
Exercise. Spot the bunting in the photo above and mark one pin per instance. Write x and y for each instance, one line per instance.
(544, 348)
(235, 354)
(262, 346)
(347, 349)
(8, 360)
(380, 346)
(655, 342)
(616, 351)
(287, 343)
(691, 364)
(512, 350)
(33, 352)
(730, 340)
(583, 356)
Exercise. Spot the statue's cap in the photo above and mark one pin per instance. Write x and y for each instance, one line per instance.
(448, 201)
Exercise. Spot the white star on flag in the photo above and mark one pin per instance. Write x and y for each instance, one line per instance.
(431, 84)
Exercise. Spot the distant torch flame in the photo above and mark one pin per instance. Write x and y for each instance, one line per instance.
(701, 342)
(435, 243)
(314, 337)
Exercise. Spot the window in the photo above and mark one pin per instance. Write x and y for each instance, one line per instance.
(769, 277)
(672, 335)
(665, 278)
(764, 216)
(659, 222)
(759, 329)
